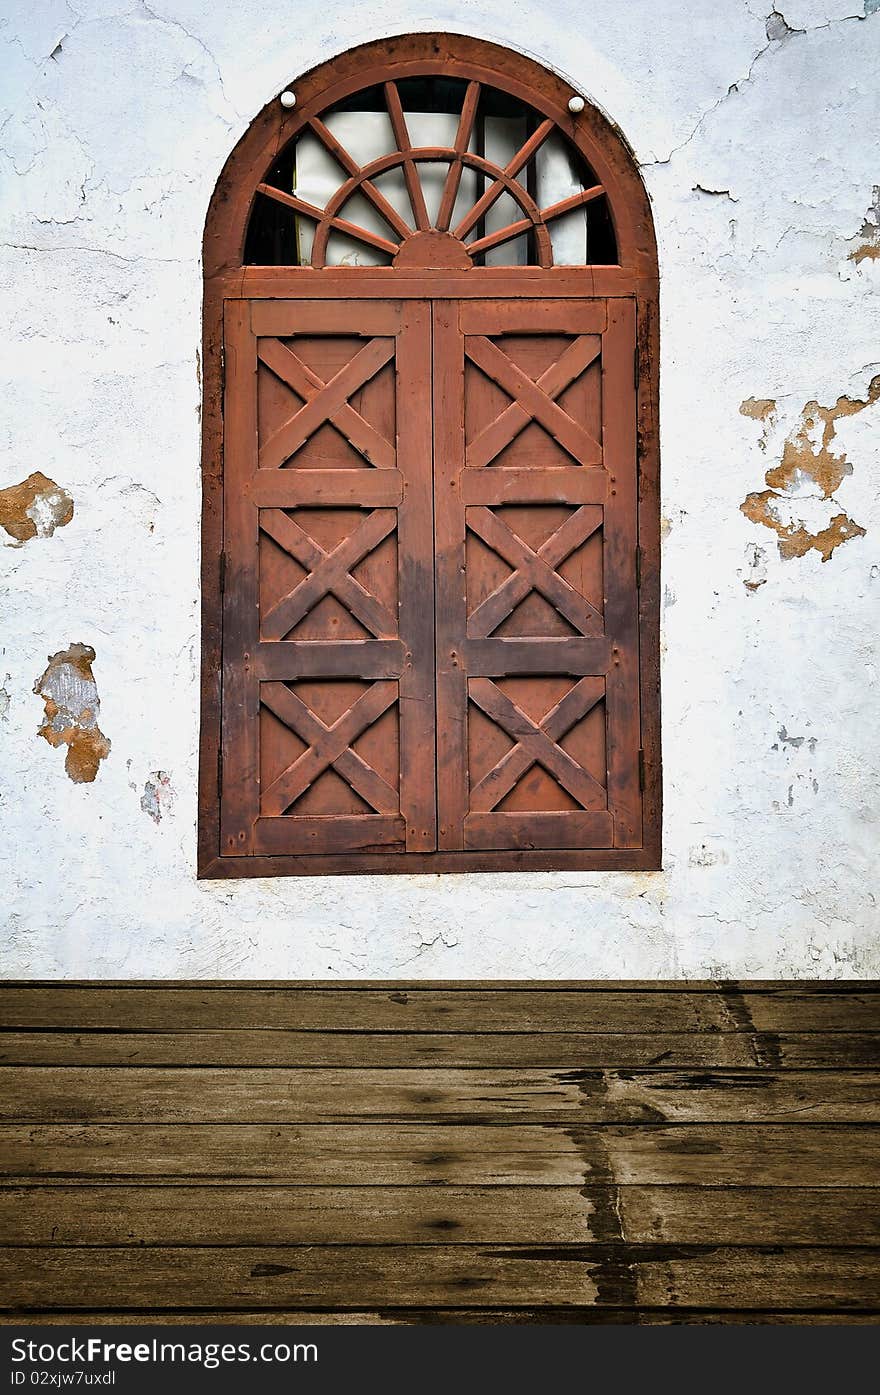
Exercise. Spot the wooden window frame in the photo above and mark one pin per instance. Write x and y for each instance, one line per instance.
(227, 279)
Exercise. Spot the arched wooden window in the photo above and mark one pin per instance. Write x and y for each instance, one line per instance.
(431, 519)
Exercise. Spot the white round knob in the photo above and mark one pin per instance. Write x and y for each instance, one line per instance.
(576, 105)
(288, 99)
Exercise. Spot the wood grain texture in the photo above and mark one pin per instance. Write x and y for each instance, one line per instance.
(230, 1215)
(248, 1047)
(43, 1094)
(445, 1009)
(279, 1277)
(441, 1153)
(449, 1154)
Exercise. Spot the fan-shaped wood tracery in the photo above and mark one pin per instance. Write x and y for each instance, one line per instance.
(464, 226)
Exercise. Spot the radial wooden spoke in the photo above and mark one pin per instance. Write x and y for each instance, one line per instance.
(556, 210)
(410, 173)
(497, 239)
(559, 376)
(329, 746)
(367, 187)
(342, 225)
(495, 190)
(502, 778)
(536, 744)
(462, 140)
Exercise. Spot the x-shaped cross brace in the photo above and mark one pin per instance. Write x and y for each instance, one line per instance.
(326, 402)
(329, 572)
(536, 744)
(534, 571)
(329, 746)
(533, 401)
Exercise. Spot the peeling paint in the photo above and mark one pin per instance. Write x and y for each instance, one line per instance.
(72, 707)
(5, 701)
(811, 470)
(158, 795)
(702, 855)
(868, 245)
(795, 741)
(34, 508)
(778, 28)
(756, 568)
(761, 409)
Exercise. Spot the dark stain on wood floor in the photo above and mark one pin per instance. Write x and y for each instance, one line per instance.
(413, 1153)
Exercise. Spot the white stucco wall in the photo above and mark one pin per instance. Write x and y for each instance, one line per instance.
(760, 156)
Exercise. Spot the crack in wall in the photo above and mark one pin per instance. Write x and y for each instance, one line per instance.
(778, 32)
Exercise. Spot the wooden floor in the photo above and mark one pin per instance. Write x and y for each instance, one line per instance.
(441, 1153)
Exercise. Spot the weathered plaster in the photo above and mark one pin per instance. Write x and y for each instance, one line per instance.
(758, 147)
(799, 504)
(158, 796)
(34, 508)
(71, 708)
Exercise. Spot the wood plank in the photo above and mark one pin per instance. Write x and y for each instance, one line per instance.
(286, 489)
(141, 1094)
(346, 658)
(272, 285)
(544, 316)
(415, 542)
(526, 485)
(422, 1009)
(707, 1155)
(240, 705)
(407, 1317)
(108, 1214)
(527, 830)
(327, 1276)
(448, 408)
(623, 701)
(283, 319)
(555, 1050)
(491, 658)
(329, 833)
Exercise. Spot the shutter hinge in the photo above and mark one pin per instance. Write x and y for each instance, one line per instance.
(222, 372)
(638, 567)
(219, 771)
(222, 572)
(641, 768)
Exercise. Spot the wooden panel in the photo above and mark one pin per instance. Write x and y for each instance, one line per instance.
(329, 730)
(442, 1152)
(537, 502)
